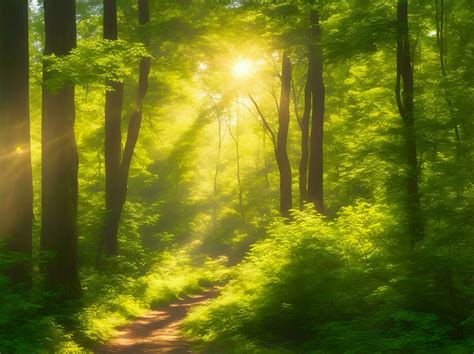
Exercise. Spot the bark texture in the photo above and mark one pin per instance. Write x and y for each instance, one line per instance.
(315, 178)
(120, 181)
(279, 140)
(404, 95)
(113, 134)
(59, 158)
(304, 126)
(282, 138)
(16, 190)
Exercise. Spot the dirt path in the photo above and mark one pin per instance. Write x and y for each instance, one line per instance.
(157, 331)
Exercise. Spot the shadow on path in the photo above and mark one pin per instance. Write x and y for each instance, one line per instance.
(158, 330)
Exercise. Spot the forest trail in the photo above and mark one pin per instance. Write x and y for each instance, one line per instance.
(158, 330)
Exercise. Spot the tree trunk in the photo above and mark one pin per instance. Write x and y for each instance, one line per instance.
(59, 158)
(315, 180)
(404, 96)
(16, 189)
(113, 136)
(303, 168)
(117, 201)
(282, 137)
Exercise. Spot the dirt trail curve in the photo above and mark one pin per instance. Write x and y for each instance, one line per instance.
(158, 330)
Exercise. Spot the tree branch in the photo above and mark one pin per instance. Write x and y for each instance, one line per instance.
(267, 126)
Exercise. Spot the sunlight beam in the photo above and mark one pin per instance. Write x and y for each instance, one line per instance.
(243, 68)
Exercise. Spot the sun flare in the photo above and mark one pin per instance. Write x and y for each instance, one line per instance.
(243, 68)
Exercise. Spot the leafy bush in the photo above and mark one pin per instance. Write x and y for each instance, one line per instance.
(26, 324)
(320, 286)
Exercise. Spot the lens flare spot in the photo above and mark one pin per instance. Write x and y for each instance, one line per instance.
(243, 68)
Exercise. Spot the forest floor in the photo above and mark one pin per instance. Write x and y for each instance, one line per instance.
(158, 330)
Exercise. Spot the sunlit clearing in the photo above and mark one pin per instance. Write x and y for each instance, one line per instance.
(202, 67)
(243, 68)
(432, 33)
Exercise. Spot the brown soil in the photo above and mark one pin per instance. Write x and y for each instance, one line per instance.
(158, 330)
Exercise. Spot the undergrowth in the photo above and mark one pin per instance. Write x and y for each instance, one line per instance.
(314, 285)
(31, 322)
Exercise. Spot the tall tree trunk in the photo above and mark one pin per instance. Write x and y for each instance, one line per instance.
(280, 139)
(117, 202)
(16, 189)
(315, 179)
(404, 96)
(60, 159)
(282, 136)
(304, 126)
(113, 135)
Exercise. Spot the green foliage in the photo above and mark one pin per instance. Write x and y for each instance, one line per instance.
(94, 62)
(26, 326)
(320, 286)
(358, 31)
(114, 298)
(31, 322)
(346, 282)
(391, 330)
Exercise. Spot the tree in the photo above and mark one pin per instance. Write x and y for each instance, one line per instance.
(120, 179)
(404, 96)
(316, 83)
(303, 123)
(59, 157)
(113, 135)
(282, 137)
(16, 189)
(279, 140)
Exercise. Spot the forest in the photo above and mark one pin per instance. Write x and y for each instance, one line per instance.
(248, 176)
